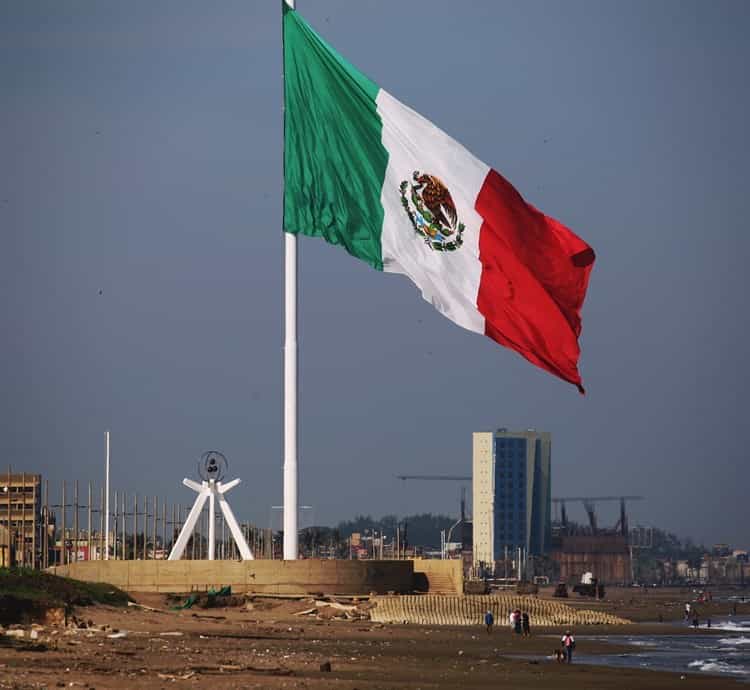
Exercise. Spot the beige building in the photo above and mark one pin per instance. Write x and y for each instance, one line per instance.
(20, 510)
(5, 549)
(511, 493)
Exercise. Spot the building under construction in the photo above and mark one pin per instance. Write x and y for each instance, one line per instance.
(603, 552)
(20, 510)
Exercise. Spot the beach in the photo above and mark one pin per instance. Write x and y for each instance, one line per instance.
(263, 644)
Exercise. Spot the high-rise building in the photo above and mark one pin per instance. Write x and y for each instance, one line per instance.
(511, 493)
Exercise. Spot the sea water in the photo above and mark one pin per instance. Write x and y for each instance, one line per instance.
(726, 653)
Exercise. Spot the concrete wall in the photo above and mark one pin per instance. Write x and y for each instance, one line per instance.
(261, 576)
(438, 576)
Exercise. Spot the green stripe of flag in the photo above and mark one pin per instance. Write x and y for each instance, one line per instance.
(334, 161)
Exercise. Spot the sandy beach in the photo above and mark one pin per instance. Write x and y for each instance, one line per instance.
(264, 645)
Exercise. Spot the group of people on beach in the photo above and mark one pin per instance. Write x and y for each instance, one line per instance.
(691, 615)
(520, 624)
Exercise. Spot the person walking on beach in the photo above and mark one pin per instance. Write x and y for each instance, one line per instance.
(695, 619)
(687, 612)
(525, 625)
(517, 622)
(568, 644)
(489, 620)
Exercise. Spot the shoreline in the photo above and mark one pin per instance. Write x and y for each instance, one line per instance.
(264, 645)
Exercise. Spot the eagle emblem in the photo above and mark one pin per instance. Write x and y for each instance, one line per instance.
(432, 213)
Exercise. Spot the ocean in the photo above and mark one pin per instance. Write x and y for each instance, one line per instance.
(726, 653)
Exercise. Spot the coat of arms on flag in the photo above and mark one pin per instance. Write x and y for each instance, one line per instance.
(432, 212)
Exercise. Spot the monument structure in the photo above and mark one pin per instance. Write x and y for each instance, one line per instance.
(212, 468)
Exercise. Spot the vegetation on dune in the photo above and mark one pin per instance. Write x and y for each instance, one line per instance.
(38, 586)
(421, 530)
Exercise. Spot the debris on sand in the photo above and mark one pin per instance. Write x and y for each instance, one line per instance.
(143, 607)
(329, 608)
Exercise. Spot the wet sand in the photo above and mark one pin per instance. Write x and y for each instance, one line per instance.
(647, 604)
(268, 647)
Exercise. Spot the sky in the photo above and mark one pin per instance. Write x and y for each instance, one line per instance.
(142, 254)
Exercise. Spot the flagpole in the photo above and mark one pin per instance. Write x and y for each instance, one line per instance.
(106, 504)
(290, 391)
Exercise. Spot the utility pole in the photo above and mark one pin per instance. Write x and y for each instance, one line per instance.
(106, 494)
(63, 549)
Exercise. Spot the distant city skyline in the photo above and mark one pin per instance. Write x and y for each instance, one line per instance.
(140, 202)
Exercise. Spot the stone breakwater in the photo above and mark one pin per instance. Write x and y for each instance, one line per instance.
(470, 610)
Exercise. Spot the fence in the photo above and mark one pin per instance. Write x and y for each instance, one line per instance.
(62, 525)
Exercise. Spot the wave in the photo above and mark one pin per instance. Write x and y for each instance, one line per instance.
(643, 643)
(732, 626)
(735, 641)
(717, 666)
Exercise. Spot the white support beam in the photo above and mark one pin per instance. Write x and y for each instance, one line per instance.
(189, 526)
(210, 491)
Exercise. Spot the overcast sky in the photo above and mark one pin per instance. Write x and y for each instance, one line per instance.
(141, 261)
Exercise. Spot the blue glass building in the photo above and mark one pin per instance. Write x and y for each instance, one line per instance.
(511, 487)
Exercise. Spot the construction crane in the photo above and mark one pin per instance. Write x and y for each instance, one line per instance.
(442, 477)
(588, 504)
(439, 477)
(597, 499)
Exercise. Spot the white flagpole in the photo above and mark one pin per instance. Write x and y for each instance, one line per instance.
(106, 499)
(290, 392)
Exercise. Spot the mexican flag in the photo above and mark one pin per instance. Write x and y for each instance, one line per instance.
(364, 171)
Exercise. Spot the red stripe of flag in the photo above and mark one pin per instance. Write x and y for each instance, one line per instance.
(535, 272)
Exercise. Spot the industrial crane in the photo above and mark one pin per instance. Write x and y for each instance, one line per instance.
(588, 504)
(443, 477)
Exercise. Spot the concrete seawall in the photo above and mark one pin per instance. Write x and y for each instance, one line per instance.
(260, 576)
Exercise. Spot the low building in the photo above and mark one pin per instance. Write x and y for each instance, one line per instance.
(606, 556)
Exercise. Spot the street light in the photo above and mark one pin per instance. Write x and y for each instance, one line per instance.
(448, 538)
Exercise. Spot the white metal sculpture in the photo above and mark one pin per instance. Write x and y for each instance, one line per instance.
(212, 467)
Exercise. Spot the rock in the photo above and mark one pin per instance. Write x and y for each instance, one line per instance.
(54, 616)
(325, 667)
